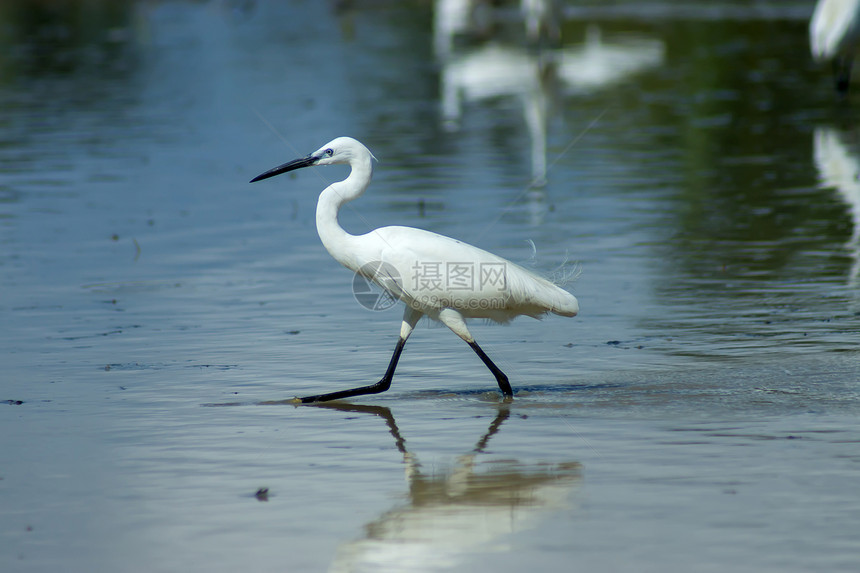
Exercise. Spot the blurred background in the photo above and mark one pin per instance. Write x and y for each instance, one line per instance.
(685, 168)
(689, 156)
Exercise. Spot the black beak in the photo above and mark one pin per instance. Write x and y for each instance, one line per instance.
(288, 166)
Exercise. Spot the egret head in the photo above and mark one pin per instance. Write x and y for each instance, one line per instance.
(342, 150)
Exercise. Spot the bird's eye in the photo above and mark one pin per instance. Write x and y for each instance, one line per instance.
(329, 152)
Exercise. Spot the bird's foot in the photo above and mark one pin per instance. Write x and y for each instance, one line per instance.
(380, 386)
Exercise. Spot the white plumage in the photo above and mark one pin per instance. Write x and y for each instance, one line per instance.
(436, 276)
(834, 31)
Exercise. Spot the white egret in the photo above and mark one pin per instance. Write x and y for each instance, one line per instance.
(834, 31)
(436, 276)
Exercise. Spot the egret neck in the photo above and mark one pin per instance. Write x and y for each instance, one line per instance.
(334, 238)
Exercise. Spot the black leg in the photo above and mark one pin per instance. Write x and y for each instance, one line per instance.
(380, 386)
(842, 71)
(504, 385)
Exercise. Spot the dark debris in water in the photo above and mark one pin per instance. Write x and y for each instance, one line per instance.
(620, 344)
(117, 330)
(14, 402)
(139, 366)
(131, 366)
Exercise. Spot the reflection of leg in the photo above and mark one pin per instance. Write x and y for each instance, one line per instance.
(380, 411)
(410, 319)
(504, 412)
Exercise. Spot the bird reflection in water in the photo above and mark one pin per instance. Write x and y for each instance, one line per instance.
(538, 77)
(467, 509)
(837, 157)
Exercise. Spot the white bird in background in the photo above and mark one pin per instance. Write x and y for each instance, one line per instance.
(436, 276)
(834, 32)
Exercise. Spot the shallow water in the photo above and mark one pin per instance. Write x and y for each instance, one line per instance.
(157, 311)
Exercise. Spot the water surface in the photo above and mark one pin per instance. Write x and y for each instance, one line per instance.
(687, 160)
